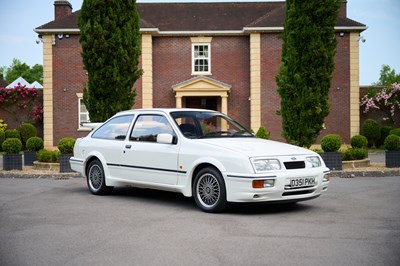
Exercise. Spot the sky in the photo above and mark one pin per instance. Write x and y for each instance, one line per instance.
(381, 46)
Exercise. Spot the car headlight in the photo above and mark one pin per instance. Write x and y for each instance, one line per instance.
(313, 161)
(262, 165)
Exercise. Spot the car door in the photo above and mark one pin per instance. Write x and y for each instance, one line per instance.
(148, 160)
(109, 141)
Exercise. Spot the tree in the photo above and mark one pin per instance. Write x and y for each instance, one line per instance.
(307, 63)
(110, 42)
(388, 77)
(20, 69)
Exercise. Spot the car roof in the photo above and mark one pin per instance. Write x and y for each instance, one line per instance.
(163, 110)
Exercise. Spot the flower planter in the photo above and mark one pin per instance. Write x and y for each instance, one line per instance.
(29, 157)
(65, 166)
(12, 161)
(333, 160)
(392, 159)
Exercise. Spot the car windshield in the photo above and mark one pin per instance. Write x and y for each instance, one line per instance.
(199, 124)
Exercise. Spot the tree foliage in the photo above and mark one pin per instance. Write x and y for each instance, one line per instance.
(306, 68)
(20, 69)
(110, 42)
(388, 77)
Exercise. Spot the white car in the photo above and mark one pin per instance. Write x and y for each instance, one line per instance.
(199, 153)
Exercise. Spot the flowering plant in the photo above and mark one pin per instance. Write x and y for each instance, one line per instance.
(21, 100)
(386, 100)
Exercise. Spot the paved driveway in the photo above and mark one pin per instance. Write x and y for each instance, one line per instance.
(57, 222)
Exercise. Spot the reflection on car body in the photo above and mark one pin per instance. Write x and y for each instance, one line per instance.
(200, 153)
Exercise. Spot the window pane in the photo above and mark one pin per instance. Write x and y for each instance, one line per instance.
(147, 128)
(201, 58)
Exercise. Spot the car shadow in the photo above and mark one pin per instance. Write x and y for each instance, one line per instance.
(172, 199)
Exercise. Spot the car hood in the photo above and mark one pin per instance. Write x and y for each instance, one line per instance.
(254, 147)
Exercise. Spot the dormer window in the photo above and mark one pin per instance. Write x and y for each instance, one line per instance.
(201, 60)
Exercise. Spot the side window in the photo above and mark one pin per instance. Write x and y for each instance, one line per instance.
(147, 127)
(115, 129)
(83, 114)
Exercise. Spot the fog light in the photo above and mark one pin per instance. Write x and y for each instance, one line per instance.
(263, 183)
(327, 177)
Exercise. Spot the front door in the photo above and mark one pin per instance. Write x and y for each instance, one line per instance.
(210, 103)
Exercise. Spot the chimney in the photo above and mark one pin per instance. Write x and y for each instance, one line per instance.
(343, 9)
(62, 9)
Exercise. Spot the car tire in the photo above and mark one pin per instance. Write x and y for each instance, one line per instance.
(96, 181)
(209, 190)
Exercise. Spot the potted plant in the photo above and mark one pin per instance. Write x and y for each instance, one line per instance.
(33, 145)
(330, 144)
(66, 148)
(392, 151)
(12, 160)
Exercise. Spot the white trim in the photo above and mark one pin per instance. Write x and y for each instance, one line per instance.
(212, 32)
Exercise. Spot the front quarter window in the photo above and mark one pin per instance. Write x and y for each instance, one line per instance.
(114, 129)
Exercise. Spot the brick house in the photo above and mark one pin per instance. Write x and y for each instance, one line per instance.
(222, 56)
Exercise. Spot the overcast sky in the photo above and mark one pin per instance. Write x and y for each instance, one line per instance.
(20, 17)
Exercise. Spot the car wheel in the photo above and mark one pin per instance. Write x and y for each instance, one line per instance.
(96, 179)
(209, 190)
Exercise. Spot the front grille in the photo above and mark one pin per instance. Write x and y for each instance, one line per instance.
(295, 165)
(301, 192)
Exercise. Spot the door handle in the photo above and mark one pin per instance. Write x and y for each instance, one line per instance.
(128, 146)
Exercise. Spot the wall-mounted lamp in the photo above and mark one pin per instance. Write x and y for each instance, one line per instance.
(60, 36)
(39, 39)
(361, 38)
(341, 34)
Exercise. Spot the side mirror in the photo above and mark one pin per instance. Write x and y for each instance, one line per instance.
(165, 138)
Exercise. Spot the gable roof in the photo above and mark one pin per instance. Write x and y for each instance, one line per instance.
(217, 17)
(18, 82)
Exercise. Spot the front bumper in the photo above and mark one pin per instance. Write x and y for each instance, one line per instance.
(240, 188)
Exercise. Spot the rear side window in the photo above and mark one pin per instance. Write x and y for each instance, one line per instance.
(114, 129)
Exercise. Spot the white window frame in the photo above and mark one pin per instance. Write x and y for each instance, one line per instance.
(80, 112)
(194, 58)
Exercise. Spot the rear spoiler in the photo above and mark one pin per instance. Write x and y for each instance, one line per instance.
(90, 125)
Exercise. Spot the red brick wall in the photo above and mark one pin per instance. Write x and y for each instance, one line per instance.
(271, 48)
(230, 63)
(338, 121)
(69, 78)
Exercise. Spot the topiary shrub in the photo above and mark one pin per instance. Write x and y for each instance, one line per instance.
(66, 145)
(371, 131)
(26, 130)
(354, 154)
(34, 144)
(385, 131)
(359, 141)
(392, 143)
(2, 139)
(12, 133)
(395, 131)
(262, 133)
(331, 143)
(47, 156)
(12, 146)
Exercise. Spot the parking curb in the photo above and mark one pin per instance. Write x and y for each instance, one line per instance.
(353, 174)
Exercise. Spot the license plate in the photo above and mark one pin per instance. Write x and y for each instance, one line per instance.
(302, 182)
